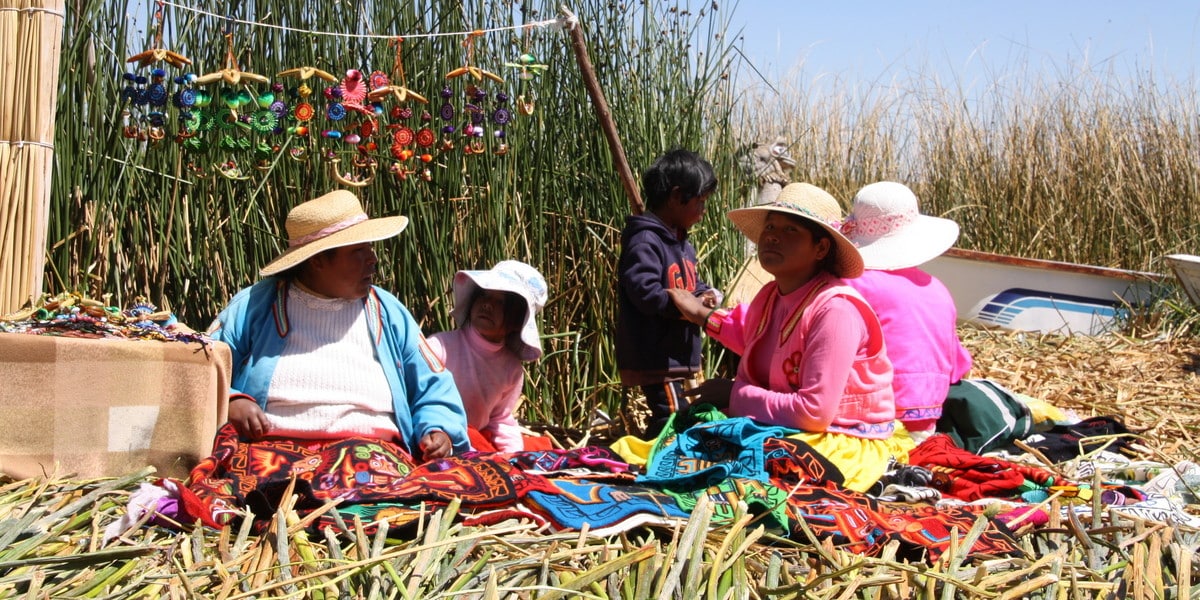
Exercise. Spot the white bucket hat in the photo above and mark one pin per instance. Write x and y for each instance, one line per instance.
(889, 231)
(507, 276)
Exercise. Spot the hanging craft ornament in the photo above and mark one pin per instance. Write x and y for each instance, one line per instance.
(156, 53)
(467, 68)
(306, 72)
(144, 117)
(304, 112)
(231, 74)
(362, 174)
(473, 114)
(381, 87)
(527, 68)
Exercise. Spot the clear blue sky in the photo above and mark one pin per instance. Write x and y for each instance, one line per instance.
(863, 40)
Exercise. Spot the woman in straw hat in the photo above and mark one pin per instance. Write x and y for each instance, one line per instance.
(813, 356)
(915, 310)
(322, 356)
(496, 313)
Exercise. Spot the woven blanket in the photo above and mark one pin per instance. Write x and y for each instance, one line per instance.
(107, 407)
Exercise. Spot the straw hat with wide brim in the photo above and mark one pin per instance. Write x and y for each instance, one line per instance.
(808, 202)
(334, 220)
(507, 276)
(889, 231)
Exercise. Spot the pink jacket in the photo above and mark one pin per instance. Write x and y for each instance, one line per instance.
(841, 383)
(490, 377)
(919, 324)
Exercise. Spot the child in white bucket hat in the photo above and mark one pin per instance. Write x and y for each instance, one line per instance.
(915, 309)
(496, 313)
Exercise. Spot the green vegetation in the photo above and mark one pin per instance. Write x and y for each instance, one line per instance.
(1086, 170)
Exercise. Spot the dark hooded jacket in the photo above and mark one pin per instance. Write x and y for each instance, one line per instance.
(653, 343)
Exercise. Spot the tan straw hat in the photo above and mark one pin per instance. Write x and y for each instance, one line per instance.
(334, 220)
(890, 233)
(809, 202)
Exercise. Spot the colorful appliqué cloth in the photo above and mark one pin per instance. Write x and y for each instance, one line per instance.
(355, 470)
(736, 460)
(709, 452)
(959, 473)
(604, 508)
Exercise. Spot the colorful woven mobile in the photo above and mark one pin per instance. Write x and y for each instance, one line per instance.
(232, 123)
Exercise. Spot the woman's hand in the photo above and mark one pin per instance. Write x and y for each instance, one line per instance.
(691, 307)
(713, 391)
(248, 418)
(435, 444)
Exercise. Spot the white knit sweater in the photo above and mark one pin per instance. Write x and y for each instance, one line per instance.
(328, 382)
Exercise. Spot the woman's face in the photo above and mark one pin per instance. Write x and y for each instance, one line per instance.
(488, 316)
(787, 250)
(345, 272)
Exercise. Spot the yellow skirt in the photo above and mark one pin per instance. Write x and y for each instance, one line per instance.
(862, 461)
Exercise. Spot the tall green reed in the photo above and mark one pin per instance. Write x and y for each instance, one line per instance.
(133, 217)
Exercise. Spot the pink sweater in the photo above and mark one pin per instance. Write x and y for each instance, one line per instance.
(489, 378)
(919, 322)
(813, 359)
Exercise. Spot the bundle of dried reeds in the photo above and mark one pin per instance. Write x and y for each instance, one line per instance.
(31, 31)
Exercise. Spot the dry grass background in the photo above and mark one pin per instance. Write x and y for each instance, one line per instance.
(1150, 383)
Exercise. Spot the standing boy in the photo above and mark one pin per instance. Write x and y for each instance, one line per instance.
(656, 349)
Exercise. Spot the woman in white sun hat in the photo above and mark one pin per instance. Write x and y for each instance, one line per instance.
(496, 312)
(915, 309)
(812, 352)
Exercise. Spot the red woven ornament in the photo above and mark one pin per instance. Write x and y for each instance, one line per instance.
(304, 111)
(378, 79)
(426, 137)
(403, 136)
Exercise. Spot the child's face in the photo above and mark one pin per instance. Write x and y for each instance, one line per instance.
(683, 216)
(488, 316)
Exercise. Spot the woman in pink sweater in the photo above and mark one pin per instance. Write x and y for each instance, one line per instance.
(496, 313)
(812, 350)
(915, 310)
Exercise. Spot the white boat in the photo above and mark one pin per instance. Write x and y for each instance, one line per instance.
(1187, 270)
(1020, 293)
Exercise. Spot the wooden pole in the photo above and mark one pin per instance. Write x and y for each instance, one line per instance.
(579, 45)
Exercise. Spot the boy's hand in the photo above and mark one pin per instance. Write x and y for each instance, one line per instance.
(711, 298)
(690, 307)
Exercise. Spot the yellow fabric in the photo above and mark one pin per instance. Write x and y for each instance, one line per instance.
(634, 450)
(862, 461)
(1042, 411)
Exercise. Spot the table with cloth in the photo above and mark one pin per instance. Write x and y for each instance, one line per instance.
(98, 407)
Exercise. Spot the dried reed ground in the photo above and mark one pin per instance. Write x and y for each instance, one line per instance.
(50, 530)
(1149, 384)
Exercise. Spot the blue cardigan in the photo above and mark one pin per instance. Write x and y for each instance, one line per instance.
(424, 396)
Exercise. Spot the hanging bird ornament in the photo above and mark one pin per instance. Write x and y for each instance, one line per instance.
(467, 68)
(382, 86)
(231, 74)
(527, 66)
